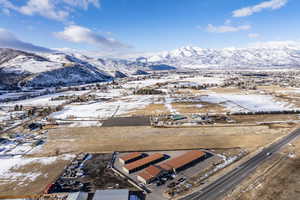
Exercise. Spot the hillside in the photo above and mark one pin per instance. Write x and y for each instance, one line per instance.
(19, 68)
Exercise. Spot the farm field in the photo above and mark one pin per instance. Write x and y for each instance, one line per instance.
(29, 176)
(142, 138)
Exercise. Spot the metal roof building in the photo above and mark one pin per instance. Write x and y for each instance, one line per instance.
(131, 157)
(149, 174)
(142, 163)
(78, 196)
(111, 195)
(180, 162)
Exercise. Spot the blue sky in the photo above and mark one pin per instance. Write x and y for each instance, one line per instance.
(147, 25)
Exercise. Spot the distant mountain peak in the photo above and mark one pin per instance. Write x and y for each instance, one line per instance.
(285, 54)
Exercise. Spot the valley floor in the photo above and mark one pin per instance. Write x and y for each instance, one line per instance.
(197, 112)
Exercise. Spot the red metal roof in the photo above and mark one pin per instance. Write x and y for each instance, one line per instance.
(143, 161)
(165, 167)
(182, 160)
(145, 176)
(131, 156)
(153, 170)
(150, 172)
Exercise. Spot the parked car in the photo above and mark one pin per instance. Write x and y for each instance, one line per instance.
(173, 184)
(181, 180)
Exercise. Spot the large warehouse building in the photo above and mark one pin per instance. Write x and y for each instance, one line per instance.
(131, 157)
(150, 174)
(184, 161)
(111, 195)
(143, 163)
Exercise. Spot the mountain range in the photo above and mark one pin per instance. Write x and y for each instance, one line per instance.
(20, 68)
(195, 57)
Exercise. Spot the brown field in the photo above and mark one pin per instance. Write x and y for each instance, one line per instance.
(264, 118)
(189, 91)
(290, 98)
(151, 109)
(277, 179)
(108, 139)
(226, 90)
(273, 88)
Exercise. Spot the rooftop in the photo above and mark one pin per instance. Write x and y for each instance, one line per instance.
(111, 194)
(144, 161)
(131, 156)
(150, 172)
(182, 160)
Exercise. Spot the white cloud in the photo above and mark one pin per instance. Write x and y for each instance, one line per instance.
(79, 34)
(52, 9)
(247, 11)
(226, 28)
(7, 4)
(5, 11)
(45, 8)
(253, 35)
(83, 3)
(9, 40)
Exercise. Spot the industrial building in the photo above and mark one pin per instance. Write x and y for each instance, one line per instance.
(184, 161)
(150, 174)
(111, 195)
(78, 196)
(131, 157)
(143, 163)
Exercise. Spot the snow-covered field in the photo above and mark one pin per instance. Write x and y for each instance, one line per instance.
(102, 110)
(206, 80)
(149, 82)
(11, 168)
(10, 95)
(113, 93)
(44, 100)
(3, 116)
(247, 102)
(168, 105)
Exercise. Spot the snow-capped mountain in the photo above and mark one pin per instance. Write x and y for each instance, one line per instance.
(195, 57)
(19, 68)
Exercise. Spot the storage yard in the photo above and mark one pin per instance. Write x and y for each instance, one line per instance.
(164, 177)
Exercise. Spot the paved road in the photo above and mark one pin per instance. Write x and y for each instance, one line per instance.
(227, 182)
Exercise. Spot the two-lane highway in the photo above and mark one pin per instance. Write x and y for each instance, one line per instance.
(227, 182)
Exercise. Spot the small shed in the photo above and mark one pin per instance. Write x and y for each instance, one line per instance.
(178, 117)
